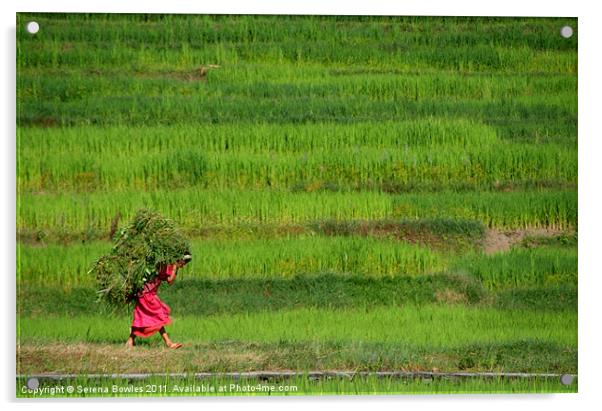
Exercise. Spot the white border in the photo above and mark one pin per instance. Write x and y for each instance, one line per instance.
(590, 134)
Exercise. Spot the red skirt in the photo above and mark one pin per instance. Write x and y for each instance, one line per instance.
(150, 315)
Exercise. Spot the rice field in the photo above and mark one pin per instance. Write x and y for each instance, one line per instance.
(88, 216)
(283, 258)
(424, 326)
(361, 193)
(173, 386)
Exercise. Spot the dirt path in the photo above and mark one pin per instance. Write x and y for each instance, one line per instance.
(55, 359)
(502, 240)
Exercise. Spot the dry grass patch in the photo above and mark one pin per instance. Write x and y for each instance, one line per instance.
(104, 358)
(449, 296)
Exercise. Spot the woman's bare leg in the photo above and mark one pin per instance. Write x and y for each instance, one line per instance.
(167, 340)
(131, 340)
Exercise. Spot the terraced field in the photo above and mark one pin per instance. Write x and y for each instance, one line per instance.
(362, 193)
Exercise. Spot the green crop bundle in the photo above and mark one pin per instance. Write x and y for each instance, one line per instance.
(149, 241)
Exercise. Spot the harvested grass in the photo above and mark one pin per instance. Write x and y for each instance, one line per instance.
(141, 248)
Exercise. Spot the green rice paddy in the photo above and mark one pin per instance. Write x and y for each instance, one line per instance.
(345, 182)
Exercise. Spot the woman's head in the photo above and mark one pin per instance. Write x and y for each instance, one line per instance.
(185, 260)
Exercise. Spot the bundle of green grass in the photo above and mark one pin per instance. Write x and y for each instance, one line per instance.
(148, 242)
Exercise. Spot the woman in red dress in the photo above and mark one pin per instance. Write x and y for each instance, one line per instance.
(151, 314)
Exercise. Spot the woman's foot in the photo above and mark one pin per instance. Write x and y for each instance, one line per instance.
(174, 346)
(130, 343)
(167, 340)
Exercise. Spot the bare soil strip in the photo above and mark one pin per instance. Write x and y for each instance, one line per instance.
(502, 240)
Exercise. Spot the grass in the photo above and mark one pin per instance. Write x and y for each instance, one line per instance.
(562, 297)
(337, 175)
(336, 82)
(235, 80)
(165, 110)
(327, 291)
(296, 386)
(558, 240)
(415, 326)
(89, 216)
(524, 267)
(462, 43)
(148, 357)
(428, 338)
(222, 296)
(286, 257)
(396, 169)
(247, 259)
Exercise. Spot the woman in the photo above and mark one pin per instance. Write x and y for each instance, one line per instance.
(151, 314)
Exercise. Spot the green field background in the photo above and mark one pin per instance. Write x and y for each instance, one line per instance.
(339, 178)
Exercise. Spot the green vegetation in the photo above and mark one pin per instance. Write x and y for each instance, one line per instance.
(301, 385)
(519, 267)
(146, 245)
(86, 216)
(432, 154)
(528, 355)
(424, 326)
(340, 178)
(275, 258)
(283, 258)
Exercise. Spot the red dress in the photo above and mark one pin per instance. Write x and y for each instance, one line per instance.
(151, 314)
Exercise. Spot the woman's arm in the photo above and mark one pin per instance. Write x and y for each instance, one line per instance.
(171, 273)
